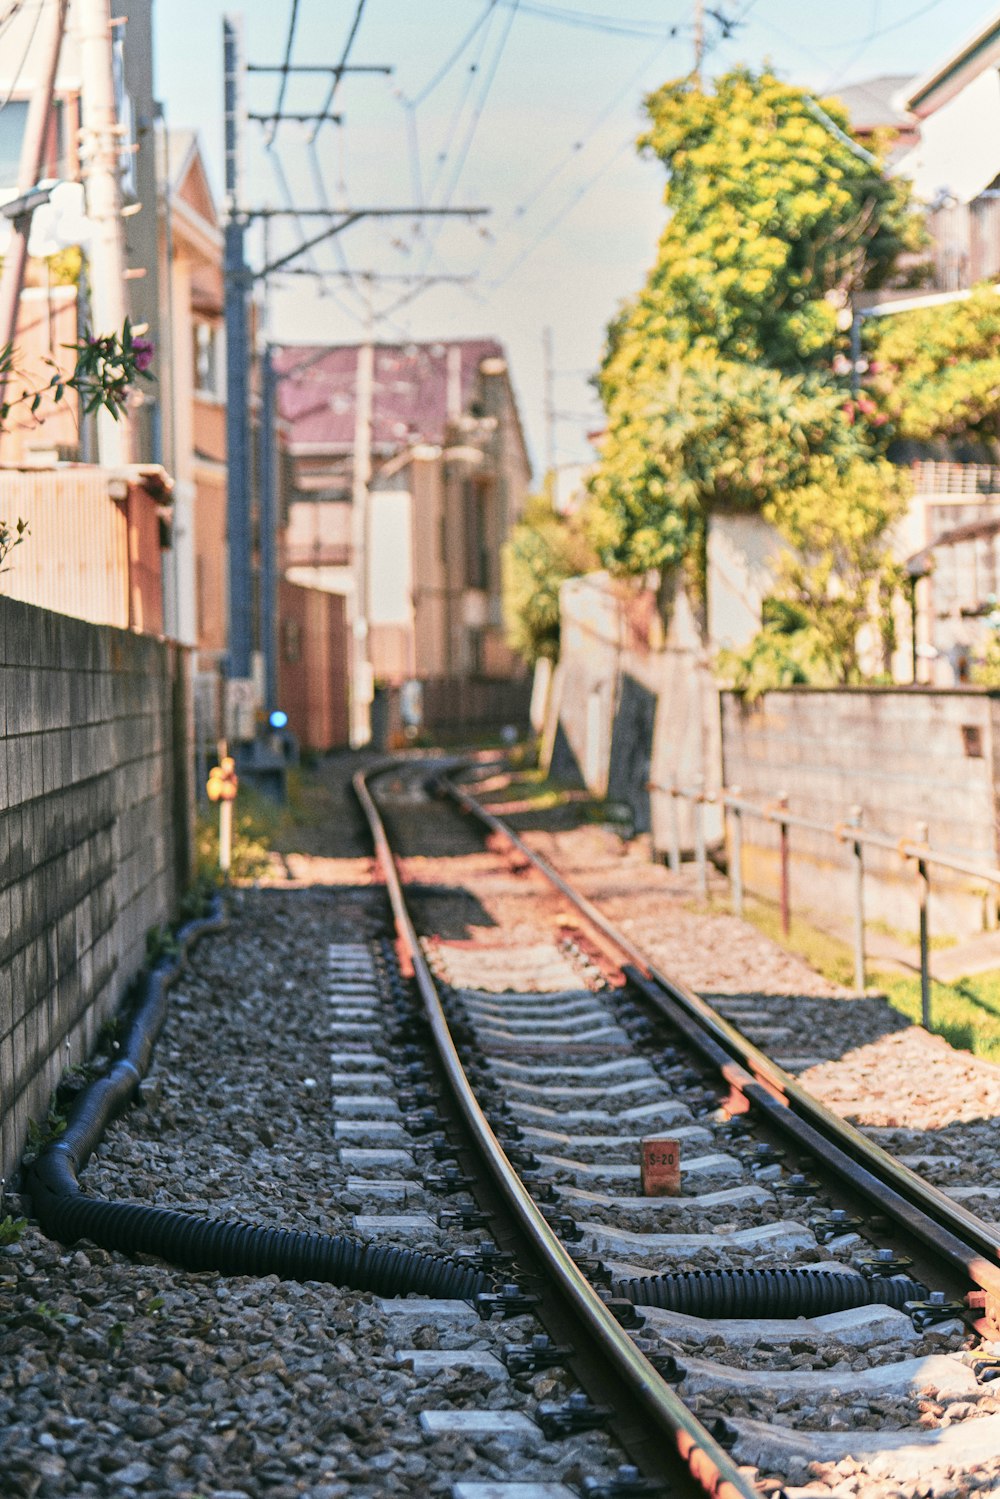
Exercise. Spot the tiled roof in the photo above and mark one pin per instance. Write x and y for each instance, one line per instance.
(316, 391)
(877, 102)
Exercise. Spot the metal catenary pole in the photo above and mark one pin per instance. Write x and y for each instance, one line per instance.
(237, 297)
(268, 465)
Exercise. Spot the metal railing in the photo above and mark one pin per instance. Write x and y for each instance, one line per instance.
(735, 807)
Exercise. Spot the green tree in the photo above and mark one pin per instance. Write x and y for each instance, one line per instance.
(718, 378)
(543, 550)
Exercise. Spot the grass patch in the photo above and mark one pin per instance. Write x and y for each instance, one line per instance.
(910, 938)
(536, 790)
(257, 822)
(966, 1013)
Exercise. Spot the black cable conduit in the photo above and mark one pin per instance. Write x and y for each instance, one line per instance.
(789, 1292)
(189, 1240)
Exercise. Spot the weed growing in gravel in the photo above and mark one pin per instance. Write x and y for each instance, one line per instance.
(255, 825)
(160, 943)
(11, 1230)
(50, 1128)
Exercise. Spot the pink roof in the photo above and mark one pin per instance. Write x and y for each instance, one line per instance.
(409, 401)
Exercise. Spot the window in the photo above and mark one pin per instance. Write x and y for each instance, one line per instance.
(12, 123)
(208, 359)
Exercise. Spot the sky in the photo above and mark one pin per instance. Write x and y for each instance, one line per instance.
(528, 108)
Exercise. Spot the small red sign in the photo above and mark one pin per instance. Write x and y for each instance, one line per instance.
(660, 1167)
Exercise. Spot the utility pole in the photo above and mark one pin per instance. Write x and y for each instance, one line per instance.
(699, 38)
(237, 297)
(100, 137)
(30, 166)
(239, 279)
(549, 406)
(267, 458)
(362, 683)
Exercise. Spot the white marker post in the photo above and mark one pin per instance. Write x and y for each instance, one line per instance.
(222, 786)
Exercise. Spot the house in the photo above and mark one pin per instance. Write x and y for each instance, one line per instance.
(945, 130)
(414, 545)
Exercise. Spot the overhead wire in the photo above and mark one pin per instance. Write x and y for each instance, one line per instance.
(441, 156)
(339, 69)
(285, 66)
(586, 187)
(473, 125)
(587, 20)
(447, 66)
(12, 90)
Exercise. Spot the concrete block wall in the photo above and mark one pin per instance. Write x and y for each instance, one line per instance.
(632, 702)
(905, 756)
(95, 837)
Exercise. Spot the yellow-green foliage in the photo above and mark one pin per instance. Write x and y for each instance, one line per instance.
(937, 371)
(543, 550)
(718, 377)
(255, 823)
(835, 578)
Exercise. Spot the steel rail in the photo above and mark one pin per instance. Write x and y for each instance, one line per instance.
(949, 1229)
(708, 1463)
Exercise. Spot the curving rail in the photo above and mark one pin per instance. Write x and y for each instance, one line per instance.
(963, 1240)
(708, 1463)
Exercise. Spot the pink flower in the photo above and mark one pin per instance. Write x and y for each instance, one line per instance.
(143, 350)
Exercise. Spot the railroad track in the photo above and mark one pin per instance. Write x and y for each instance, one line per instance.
(574, 1074)
(550, 1047)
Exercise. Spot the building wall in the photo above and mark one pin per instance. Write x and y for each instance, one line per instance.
(86, 553)
(312, 665)
(95, 836)
(632, 701)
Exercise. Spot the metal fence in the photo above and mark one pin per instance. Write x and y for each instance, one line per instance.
(850, 833)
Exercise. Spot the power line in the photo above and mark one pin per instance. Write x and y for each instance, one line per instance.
(480, 106)
(27, 48)
(292, 21)
(587, 20)
(447, 66)
(470, 78)
(342, 64)
(588, 134)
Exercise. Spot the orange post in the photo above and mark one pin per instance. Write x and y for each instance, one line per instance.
(660, 1167)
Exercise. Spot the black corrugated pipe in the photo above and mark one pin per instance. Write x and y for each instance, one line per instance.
(791, 1292)
(189, 1240)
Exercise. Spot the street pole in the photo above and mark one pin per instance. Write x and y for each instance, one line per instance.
(29, 171)
(100, 149)
(699, 38)
(362, 685)
(267, 456)
(550, 409)
(237, 293)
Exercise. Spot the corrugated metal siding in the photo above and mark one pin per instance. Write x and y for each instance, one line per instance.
(74, 559)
